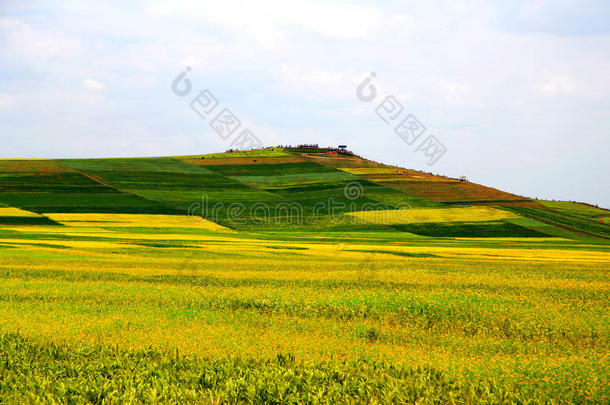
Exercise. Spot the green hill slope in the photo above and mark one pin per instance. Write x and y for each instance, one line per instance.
(279, 189)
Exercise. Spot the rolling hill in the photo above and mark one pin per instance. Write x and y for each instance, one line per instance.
(287, 189)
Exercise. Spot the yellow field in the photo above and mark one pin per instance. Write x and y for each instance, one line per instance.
(520, 312)
(16, 212)
(134, 220)
(425, 215)
(108, 239)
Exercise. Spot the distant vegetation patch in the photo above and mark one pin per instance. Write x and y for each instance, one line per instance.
(32, 166)
(395, 253)
(451, 191)
(29, 220)
(135, 220)
(426, 215)
(468, 229)
(16, 216)
(577, 209)
(294, 179)
(245, 154)
(252, 160)
(359, 171)
(566, 219)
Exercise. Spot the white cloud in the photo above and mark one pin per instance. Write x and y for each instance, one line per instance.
(456, 94)
(93, 85)
(6, 100)
(318, 83)
(263, 20)
(558, 86)
(38, 47)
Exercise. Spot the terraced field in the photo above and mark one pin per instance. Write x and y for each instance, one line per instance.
(291, 276)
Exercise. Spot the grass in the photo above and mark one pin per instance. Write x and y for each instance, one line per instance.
(567, 220)
(271, 152)
(294, 179)
(97, 374)
(472, 230)
(578, 209)
(41, 187)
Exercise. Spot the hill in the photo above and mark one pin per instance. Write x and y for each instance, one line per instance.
(311, 189)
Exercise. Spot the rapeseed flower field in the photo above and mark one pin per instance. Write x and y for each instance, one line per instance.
(142, 302)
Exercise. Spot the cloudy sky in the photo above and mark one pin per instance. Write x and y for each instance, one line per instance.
(517, 92)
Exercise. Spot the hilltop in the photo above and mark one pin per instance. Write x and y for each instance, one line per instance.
(287, 188)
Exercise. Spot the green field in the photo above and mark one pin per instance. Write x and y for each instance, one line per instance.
(120, 282)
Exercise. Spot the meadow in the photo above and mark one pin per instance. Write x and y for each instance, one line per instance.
(480, 303)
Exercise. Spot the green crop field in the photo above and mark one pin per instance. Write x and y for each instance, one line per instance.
(261, 277)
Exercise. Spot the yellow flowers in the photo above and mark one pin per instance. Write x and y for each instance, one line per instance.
(91, 232)
(425, 215)
(16, 212)
(462, 306)
(135, 220)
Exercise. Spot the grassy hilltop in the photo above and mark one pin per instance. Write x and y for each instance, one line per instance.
(290, 275)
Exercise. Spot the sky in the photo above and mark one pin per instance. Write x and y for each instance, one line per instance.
(517, 94)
